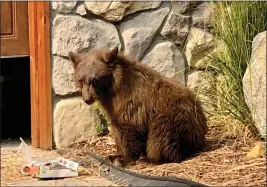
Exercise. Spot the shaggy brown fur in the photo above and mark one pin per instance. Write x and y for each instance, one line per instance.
(151, 114)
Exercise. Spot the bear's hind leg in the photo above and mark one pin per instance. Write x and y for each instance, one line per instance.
(160, 149)
(170, 137)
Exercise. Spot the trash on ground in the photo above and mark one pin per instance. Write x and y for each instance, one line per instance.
(257, 151)
(28, 158)
(57, 168)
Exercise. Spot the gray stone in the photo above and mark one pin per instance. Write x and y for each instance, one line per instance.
(137, 40)
(141, 5)
(200, 44)
(203, 83)
(74, 121)
(168, 60)
(202, 16)
(181, 7)
(63, 6)
(74, 33)
(176, 28)
(115, 11)
(63, 81)
(112, 10)
(258, 45)
(81, 10)
(145, 19)
(209, 57)
(197, 79)
(138, 31)
(254, 83)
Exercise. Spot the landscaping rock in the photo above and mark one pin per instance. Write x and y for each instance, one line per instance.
(254, 83)
(202, 83)
(168, 60)
(200, 44)
(211, 55)
(63, 81)
(81, 10)
(74, 121)
(176, 28)
(111, 10)
(137, 40)
(141, 5)
(181, 7)
(138, 31)
(63, 6)
(74, 33)
(202, 16)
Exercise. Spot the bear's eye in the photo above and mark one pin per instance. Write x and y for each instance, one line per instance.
(94, 82)
(80, 81)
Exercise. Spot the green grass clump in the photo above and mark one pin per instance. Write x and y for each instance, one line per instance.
(235, 25)
(102, 128)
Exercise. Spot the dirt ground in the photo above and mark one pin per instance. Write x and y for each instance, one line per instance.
(224, 162)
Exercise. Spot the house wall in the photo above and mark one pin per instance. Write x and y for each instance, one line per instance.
(170, 37)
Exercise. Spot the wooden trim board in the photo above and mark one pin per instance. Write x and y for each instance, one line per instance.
(40, 68)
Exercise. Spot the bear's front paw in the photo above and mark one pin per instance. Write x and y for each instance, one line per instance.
(116, 160)
(119, 162)
(111, 158)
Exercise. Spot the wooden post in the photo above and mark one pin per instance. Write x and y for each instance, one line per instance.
(40, 68)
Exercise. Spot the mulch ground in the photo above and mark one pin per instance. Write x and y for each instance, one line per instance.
(12, 159)
(224, 161)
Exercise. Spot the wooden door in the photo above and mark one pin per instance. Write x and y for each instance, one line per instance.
(14, 28)
(24, 23)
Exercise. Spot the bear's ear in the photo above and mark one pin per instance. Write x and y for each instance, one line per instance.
(75, 59)
(111, 55)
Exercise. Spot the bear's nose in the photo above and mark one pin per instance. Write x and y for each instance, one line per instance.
(89, 101)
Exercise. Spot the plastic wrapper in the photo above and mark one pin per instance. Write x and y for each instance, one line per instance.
(57, 168)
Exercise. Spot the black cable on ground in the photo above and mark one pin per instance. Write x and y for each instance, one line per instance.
(115, 173)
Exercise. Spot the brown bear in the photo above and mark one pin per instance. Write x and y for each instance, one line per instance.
(151, 115)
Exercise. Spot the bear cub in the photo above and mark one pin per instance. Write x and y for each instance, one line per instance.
(151, 115)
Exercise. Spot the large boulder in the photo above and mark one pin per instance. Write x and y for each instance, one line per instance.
(254, 83)
(63, 81)
(63, 6)
(110, 10)
(74, 121)
(74, 33)
(167, 60)
(200, 44)
(176, 28)
(138, 31)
